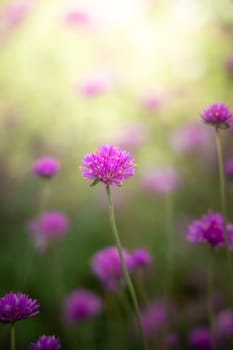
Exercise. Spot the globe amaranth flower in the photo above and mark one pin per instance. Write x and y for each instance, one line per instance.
(217, 115)
(108, 164)
(45, 167)
(199, 338)
(209, 229)
(48, 228)
(106, 266)
(81, 305)
(161, 181)
(46, 342)
(228, 166)
(141, 258)
(17, 306)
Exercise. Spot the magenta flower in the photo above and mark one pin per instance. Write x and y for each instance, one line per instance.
(17, 306)
(13, 14)
(106, 266)
(141, 258)
(77, 18)
(199, 338)
(45, 167)
(161, 181)
(48, 228)
(81, 305)
(217, 115)
(209, 229)
(229, 168)
(109, 164)
(46, 342)
(95, 84)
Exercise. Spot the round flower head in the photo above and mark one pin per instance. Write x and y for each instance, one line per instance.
(141, 258)
(50, 227)
(81, 305)
(106, 265)
(45, 167)
(199, 339)
(17, 306)
(108, 164)
(209, 229)
(217, 115)
(46, 342)
(229, 168)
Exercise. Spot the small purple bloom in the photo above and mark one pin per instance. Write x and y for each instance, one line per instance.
(161, 181)
(81, 305)
(217, 115)
(141, 258)
(77, 18)
(109, 164)
(17, 306)
(199, 338)
(224, 324)
(209, 229)
(45, 167)
(46, 342)
(229, 168)
(106, 266)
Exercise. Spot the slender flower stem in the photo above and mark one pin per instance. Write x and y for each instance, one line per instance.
(210, 296)
(124, 268)
(12, 336)
(223, 203)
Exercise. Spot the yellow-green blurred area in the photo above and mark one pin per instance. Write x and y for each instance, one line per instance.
(172, 50)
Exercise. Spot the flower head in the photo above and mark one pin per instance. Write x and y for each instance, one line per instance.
(217, 115)
(81, 305)
(151, 102)
(229, 168)
(46, 342)
(50, 227)
(109, 164)
(17, 306)
(45, 167)
(141, 258)
(199, 338)
(106, 265)
(209, 229)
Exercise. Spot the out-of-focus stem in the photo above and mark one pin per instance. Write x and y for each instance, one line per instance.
(170, 245)
(12, 336)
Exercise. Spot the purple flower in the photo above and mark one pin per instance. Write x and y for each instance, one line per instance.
(78, 18)
(141, 258)
(199, 338)
(224, 324)
(95, 84)
(209, 229)
(229, 168)
(50, 227)
(151, 102)
(154, 318)
(161, 181)
(45, 167)
(217, 115)
(106, 265)
(17, 306)
(46, 342)
(13, 14)
(81, 305)
(109, 164)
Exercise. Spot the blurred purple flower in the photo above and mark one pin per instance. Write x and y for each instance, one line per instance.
(13, 14)
(108, 164)
(209, 229)
(48, 228)
(46, 342)
(190, 138)
(161, 181)
(217, 115)
(106, 266)
(151, 102)
(94, 84)
(224, 324)
(229, 168)
(78, 18)
(141, 258)
(199, 338)
(45, 167)
(81, 305)
(17, 306)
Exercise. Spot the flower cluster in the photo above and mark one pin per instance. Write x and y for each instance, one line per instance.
(217, 115)
(109, 164)
(46, 342)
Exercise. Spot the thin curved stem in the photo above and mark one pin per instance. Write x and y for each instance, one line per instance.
(124, 268)
(12, 336)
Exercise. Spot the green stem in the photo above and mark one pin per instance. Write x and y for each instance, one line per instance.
(223, 203)
(12, 336)
(210, 296)
(124, 268)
